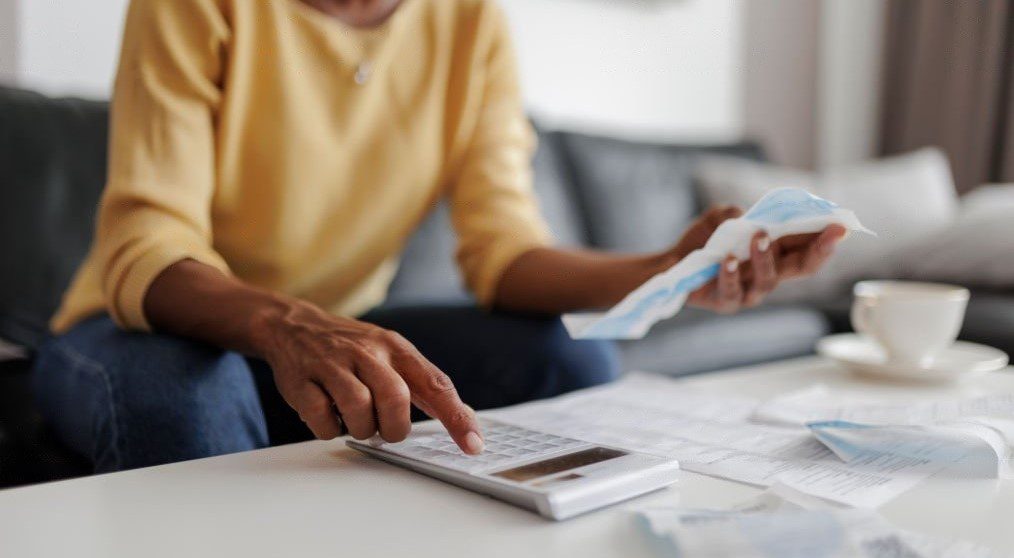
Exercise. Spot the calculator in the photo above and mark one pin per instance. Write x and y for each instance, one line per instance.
(554, 476)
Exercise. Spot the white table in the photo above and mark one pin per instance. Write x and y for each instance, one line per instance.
(321, 499)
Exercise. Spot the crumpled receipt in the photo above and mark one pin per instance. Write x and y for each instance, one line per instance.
(979, 447)
(781, 212)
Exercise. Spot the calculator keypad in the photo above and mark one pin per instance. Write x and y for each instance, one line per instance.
(505, 444)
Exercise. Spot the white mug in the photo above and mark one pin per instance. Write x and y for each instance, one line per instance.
(912, 321)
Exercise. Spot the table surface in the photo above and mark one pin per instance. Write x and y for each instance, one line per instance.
(322, 499)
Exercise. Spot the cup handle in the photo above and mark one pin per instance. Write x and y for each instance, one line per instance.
(860, 316)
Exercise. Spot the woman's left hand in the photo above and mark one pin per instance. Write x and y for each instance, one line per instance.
(745, 284)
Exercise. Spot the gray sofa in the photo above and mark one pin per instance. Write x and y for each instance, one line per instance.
(599, 192)
(619, 195)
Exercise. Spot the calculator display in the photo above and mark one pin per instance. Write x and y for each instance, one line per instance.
(558, 464)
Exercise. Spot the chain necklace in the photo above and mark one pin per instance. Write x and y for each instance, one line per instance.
(367, 60)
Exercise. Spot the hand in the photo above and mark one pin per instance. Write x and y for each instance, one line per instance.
(370, 374)
(745, 284)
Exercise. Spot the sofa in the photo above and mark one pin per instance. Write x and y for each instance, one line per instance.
(595, 191)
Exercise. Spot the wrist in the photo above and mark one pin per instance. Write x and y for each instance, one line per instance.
(270, 319)
(666, 259)
(637, 271)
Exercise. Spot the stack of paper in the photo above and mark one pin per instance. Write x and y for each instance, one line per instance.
(970, 436)
(861, 456)
(713, 434)
(816, 403)
(821, 460)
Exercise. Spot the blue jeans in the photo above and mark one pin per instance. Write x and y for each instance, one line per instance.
(129, 400)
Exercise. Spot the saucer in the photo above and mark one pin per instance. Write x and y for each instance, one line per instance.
(960, 361)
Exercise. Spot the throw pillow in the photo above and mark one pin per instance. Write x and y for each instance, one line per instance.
(976, 250)
(903, 198)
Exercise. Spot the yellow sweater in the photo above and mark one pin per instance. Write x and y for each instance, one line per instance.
(241, 138)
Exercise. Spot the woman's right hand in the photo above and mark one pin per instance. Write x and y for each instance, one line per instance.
(370, 374)
(321, 362)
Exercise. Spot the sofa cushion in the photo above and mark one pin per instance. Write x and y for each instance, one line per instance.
(699, 341)
(903, 198)
(555, 190)
(638, 196)
(53, 156)
(428, 273)
(990, 320)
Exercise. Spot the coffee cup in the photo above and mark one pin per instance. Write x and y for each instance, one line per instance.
(913, 322)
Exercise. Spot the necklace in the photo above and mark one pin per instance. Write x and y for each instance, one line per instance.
(369, 31)
(363, 72)
(366, 65)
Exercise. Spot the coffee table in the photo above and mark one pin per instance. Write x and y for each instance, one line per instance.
(321, 499)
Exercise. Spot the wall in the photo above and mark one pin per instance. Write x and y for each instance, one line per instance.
(851, 47)
(69, 47)
(798, 74)
(670, 68)
(812, 79)
(637, 67)
(780, 48)
(8, 39)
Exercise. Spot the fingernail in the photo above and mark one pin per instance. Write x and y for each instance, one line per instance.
(764, 243)
(474, 444)
(731, 266)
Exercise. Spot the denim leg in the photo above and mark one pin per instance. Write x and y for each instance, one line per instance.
(129, 400)
(497, 359)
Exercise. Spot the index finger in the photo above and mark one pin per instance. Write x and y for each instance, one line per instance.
(436, 396)
(792, 242)
(806, 261)
(822, 247)
(832, 232)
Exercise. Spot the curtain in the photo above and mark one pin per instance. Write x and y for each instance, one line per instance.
(947, 82)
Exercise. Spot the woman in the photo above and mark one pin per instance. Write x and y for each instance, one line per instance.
(268, 160)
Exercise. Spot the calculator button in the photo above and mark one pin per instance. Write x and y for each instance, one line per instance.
(505, 444)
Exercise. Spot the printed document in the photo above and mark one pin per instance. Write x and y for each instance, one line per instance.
(710, 434)
(817, 404)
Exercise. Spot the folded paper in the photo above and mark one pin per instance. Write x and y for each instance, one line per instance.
(979, 447)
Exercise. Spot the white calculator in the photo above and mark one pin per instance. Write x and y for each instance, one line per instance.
(554, 476)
